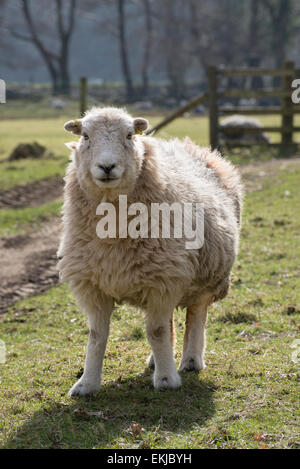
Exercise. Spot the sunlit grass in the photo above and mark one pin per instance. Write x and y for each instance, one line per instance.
(50, 133)
(26, 220)
(246, 398)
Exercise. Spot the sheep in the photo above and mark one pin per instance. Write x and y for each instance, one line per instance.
(238, 120)
(158, 275)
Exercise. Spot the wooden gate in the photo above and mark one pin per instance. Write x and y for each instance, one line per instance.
(287, 109)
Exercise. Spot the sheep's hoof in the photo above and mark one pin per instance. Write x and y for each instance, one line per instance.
(167, 382)
(192, 364)
(150, 362)
(82, 388)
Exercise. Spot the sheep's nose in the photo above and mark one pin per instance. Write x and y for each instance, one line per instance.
(107, 169)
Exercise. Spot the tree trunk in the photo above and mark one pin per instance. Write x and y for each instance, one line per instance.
(65, 34)
(64, 75)
(253, 30)
(65, 87)
(124, 51)
(280, 17)
(57, 64)
(147, 49)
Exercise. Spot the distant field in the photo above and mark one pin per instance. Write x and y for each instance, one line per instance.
(31, 108)
(24, 119)
(49, 131)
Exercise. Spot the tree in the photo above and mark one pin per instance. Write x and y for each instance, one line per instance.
(56, 62)
(124, 50)
(254, 43)
(147, 45)
(3, 41)
(173, 43)
(253, 29)
(124, 21)
(198, 32)
(280, 15)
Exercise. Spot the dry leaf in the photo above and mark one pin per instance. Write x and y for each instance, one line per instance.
(260, 436)
(136, 429)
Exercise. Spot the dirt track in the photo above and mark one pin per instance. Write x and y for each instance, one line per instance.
(28, 262)
(32, 195)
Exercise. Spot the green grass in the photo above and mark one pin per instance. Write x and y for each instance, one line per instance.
(246, 398)
(26, 220)
(50, 132)
(18, 109)
(22, 172)
(197, 128)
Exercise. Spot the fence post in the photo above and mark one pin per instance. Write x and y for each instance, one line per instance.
(83, 95)
(213, 106)
(287, 121)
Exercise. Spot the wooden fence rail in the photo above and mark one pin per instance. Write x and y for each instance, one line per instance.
(179, 112)
(287, 110)
(258, 110)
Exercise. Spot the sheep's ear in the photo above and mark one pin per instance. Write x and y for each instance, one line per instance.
(71, 145)
(140, 125)
(74, 126)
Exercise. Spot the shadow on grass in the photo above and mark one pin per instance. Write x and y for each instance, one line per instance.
(118, 407)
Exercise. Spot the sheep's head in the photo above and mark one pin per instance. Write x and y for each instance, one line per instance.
(109, 154)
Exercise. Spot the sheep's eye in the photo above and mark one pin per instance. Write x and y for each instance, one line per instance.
(129, 136)
(85, 136)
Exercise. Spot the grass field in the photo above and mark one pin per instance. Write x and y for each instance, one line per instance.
(248, 397)
(25, 220)
(50, 133)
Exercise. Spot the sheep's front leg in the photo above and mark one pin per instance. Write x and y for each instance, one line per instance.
(159, 333)
(194, 337)
(99, 319)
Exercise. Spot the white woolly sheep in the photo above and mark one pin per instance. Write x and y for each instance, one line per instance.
(238, 120)
(110, 159)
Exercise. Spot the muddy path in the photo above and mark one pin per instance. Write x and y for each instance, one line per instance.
(28, 262)
(33, 194)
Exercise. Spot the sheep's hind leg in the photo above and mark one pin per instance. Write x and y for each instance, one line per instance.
(194, 337)
(150, 359)
(160, 335)
(99, 313)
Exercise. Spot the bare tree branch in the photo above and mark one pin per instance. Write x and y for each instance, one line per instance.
(60, 24)
(270, 7)
(123, 49)
(30, 39)
(148, 42)
(71, 18)
(31, 27)
(21, 36)
(57, 64)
